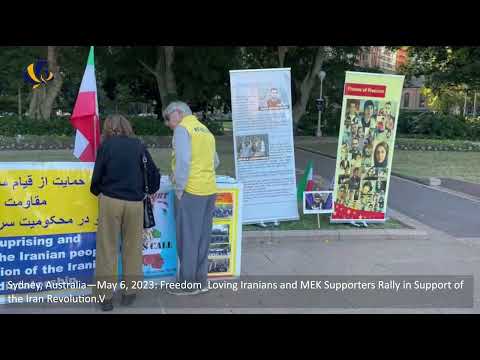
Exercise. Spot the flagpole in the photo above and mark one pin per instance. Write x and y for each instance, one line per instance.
(95, 136)
(95, 127)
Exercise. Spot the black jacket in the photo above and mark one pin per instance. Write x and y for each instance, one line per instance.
(118, 171)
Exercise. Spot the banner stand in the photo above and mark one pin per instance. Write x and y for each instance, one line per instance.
(48, 236)
(263, 144)
(370, 111)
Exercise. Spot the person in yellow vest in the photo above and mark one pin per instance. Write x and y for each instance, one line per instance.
(194, 160)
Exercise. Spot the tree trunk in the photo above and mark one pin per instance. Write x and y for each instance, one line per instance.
(282, 52)
(164, 74)
(43, 97)
(19, 102)
(169, 74)
(305, 88)
(38, 96)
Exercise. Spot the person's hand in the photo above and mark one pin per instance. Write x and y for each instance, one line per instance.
(154, 197)
(172, 178)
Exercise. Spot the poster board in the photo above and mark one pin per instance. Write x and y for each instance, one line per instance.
(263, 143)
(369, 119)
(48, 229)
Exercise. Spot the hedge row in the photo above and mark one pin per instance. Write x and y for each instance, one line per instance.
(12, 126)
(330, 123)
(51, 142)
(438, 126)
(435, 145)
(412, 124)
(36, 142)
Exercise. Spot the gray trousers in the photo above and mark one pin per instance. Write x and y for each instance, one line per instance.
(194, 217)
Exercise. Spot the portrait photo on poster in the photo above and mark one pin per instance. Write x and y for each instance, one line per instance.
(252, 147)
(273, 98)
(317, 202)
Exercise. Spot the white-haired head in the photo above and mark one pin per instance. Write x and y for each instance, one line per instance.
(179, 106)
(175, 112)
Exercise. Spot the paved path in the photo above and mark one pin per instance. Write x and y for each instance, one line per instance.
(289, 258)
(462, 186)
(457, 216)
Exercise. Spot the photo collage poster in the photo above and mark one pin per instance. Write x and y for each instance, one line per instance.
(366, 144)
(225, 244)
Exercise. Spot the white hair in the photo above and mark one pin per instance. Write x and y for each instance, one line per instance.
(177, 106)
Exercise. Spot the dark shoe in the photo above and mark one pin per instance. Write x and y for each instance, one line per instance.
(128, 300)
(107, 305)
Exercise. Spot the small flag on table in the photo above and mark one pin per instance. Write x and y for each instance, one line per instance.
(306, 184)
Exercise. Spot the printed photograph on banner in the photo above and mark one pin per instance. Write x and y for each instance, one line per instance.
(219, 250)
(223, 211)
(220, 234)
(273, 98)
(317, 202)
(223, 251)
(220, 265)
(252, 147)
(366, 144)
(159, 245)
(223, 206)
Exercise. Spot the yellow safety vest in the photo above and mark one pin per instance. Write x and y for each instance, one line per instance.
(201, 179)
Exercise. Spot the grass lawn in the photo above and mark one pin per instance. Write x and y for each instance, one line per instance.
(449, 164)
(162, 159)
(329, 146)
(309, 222)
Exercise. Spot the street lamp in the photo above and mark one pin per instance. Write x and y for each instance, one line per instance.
(321, 75)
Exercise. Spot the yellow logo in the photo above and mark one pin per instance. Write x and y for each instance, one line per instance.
(37, 74)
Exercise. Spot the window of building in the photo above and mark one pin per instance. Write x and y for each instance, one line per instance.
(406, 100)
(422, 101)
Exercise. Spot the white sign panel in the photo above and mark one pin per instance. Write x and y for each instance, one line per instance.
(263, 143)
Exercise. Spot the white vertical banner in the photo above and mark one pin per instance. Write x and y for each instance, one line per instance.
(263, 143)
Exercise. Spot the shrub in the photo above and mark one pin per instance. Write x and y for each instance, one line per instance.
(405, 120)
(215, 126)
(435, 145)
(307, 124)
(11, 126)
(330, 118)
(431, 125)
(441, 126)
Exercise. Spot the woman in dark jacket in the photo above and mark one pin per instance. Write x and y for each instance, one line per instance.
(118, 181)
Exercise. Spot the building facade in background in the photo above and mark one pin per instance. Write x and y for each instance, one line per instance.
(391, 62)
(382, 58)
(412, 98)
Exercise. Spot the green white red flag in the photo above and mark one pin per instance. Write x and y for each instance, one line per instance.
(85, 115)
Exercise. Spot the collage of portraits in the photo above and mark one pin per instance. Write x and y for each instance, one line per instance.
(365, 154)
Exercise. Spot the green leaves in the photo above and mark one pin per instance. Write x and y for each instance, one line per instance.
(446, 66)
(439, 126)
(12, 126)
